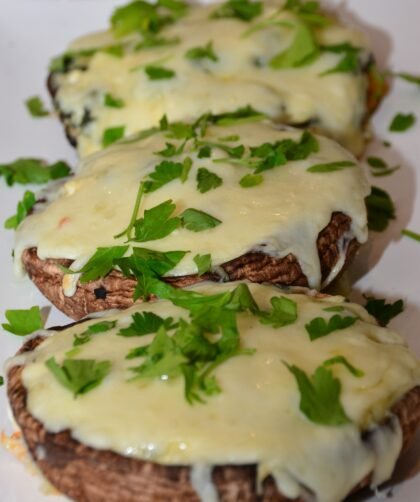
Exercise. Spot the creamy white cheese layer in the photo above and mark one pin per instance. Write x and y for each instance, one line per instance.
(334, 104)
(256, 416)
(282, 215)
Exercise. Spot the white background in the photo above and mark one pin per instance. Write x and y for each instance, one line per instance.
(32, 31)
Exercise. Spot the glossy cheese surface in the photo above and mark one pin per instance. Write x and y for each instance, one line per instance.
(334, 104)
(282, 215)
(256, 416)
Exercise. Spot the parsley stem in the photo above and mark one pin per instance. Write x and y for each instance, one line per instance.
(410, 233)
(133, 219)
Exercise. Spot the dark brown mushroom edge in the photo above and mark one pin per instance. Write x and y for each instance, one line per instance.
(87, 474)
(116, 291)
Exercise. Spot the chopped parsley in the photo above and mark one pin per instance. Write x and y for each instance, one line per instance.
(93, 329)
(100, 264)
(150, 42)
(112, 134)
(383, 312)
(146, 323)
(408, 77)
(320, 396)
(171, 150)
(342, 360)
(245, 10)
(206, 180)
(37, 171)
(23, 322)
(283, 313)
(402, 122)
(198, 53)
(36, 107)
(79, 375)
(319, 327)
(1, 380)
(380, 167)
(156, 223)
(24, 206)
(302, 51)
(165, 172)
(203, 263)
(349, 62)
(158, 72)
(331, 167)
(197, 221)
(251, 180)
(411, 234)
(380, 209)
(239, 116)
(113, 102)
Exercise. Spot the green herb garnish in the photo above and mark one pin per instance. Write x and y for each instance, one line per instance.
(36, 107)
(320, 327)
(158, 72)
(24, 206)
(350, 61)
(331, 167)
(411, 234)
(79, 375)
(206, 180)
(198, 53)
(203, 263)
(402, 122)
(380, 209)
(380, 167)
(320, 396)
(23, 322)
(245, 10)
(164, 173)
(93, 329)
(37, 171)
(383, 312)
(112, 134)
(146, 323)
(251, 180)
(342, 360)
(197, 221)
(113, 102)
(156, 223)
(283, 313)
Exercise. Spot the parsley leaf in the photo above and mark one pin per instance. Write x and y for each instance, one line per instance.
(239, 116)
(36, 107)
(203, 263)
(320, 396)
(302, 51)
(380, 209)
(197, 221)
(79, 375)
(146, 323)
(37, 171)
(23, 322)
(342, 360)
(150, 42)
(413, 79)
(171, 150)
(113, 102)
(24, 206)
(251, 180)
(93, 329)
(320, 327)
(331, 167)
(128, 230)
(163, 173)
(205, 52)
(1, 380)
(100, 264)
(411, 234)
(156, 223)
(158, 72)
(245, 10)
(383, 312)
(284, 312)
(350, 61)
(380, 167)
(112, 134)
(206, 180)
(402, 122)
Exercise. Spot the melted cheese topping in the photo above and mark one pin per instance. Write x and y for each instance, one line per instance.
(333, 104)
(282, 215)
(256, 417)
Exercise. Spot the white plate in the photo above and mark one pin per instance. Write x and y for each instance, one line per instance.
(32, 31)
